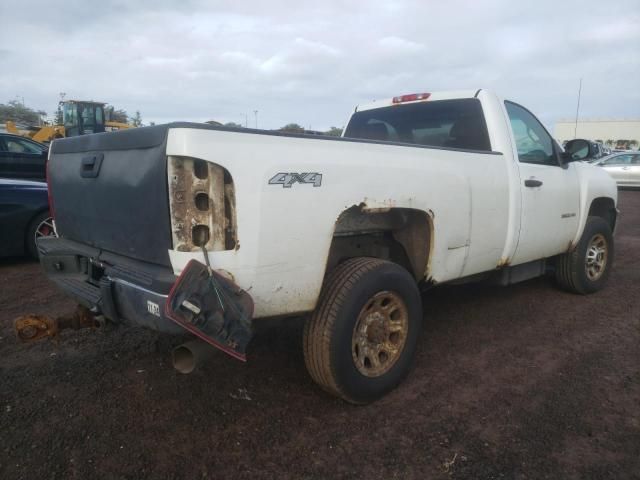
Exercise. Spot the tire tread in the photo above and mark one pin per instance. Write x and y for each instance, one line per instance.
(319, 327)
(569, 266)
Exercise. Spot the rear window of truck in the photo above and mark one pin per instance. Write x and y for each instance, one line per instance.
(443, 123)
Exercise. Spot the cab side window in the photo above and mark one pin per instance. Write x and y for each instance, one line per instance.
(533, 143)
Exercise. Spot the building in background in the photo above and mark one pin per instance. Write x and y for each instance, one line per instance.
(614, 133)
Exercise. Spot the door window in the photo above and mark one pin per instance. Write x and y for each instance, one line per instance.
(618, 160)
(70, 115)
(16, 145)
(533, 143)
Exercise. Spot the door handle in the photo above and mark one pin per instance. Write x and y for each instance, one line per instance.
(532, 183)
(90, 166)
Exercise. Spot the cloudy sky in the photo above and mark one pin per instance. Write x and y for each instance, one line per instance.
(310, 63)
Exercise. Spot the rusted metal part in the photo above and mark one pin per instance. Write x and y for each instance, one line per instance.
(503, 262)
(379, 334)
(202, 201)
(30, 328)
(410, 228)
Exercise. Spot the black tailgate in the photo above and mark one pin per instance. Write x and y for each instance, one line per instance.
(109, 191)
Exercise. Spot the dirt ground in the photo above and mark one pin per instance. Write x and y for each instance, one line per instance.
(518, 382)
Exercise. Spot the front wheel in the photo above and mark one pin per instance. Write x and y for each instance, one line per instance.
(360, 341)
(586, 268)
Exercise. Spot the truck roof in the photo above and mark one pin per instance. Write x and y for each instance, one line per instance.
(431, 96)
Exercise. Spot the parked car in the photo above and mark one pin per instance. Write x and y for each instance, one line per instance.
(24, 217)
(624, 167)
(206, 229)
(22, 158)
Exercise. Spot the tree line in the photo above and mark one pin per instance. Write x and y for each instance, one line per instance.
(16, 111)
(296, 128)
(19, 113)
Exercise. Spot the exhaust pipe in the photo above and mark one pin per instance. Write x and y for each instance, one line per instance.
(188, 356)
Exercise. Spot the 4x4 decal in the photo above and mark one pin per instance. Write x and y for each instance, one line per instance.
(288, 179)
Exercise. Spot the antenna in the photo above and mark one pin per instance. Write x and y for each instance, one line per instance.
(575, 130)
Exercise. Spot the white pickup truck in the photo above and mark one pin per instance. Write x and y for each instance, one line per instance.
(209, 229)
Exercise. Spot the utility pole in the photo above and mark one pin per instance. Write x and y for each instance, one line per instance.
(255, 112)
(575, 130)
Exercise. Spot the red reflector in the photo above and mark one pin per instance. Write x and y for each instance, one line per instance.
(412, 97)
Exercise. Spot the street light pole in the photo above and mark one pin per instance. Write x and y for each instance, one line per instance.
(575, 130)
(255, 112)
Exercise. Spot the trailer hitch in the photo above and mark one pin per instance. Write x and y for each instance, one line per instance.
(32, 327)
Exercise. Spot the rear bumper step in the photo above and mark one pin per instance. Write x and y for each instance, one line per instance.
(200, 301)
(122, 290)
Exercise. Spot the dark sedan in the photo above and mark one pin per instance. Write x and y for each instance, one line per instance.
(22, 157)
(24, 216)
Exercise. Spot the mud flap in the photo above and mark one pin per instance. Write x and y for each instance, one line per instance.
(213, 308)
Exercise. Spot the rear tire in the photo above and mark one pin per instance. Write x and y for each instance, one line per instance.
(40, 226)
(587, 267)
(360, 341)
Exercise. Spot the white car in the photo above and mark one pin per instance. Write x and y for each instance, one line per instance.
(624, 167)
(210, 229)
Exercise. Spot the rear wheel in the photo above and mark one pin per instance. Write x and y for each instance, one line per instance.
(587, 267)
(360, 341)
(40, 226)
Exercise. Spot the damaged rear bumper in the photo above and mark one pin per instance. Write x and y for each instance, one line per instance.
(138, 293)
(121, 289)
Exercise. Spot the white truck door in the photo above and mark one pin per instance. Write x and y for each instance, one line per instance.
(549, 191)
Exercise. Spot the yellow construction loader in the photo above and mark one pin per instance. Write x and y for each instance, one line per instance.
(79, 118)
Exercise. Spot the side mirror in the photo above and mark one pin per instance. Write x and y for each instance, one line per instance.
(578, 149)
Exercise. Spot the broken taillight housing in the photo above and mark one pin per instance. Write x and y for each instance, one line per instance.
(202, 205)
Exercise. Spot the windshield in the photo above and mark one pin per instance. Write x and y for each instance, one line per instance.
(444, 123)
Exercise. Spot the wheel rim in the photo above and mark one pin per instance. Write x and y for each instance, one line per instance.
(597, 257)
(380, 334)
(45, 228)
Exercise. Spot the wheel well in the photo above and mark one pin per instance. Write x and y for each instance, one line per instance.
(401, 235)
(604, 207)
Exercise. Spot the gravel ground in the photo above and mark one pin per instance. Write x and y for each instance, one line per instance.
(519, 382)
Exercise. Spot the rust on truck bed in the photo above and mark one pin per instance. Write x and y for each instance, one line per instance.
(202, 203)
